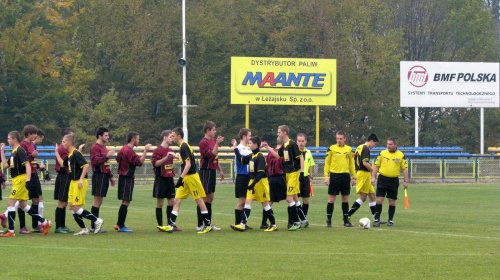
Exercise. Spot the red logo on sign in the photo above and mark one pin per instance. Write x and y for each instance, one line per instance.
(417, 76)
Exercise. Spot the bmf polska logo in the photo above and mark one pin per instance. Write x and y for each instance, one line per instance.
(418, 76)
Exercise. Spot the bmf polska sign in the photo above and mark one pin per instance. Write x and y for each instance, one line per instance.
(449, 84)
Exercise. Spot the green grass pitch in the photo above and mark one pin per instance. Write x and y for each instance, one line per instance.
(450, 231)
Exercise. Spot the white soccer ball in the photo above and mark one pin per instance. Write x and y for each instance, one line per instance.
(364, 223)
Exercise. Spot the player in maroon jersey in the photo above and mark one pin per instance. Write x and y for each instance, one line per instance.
(128, 160)
(101, 171)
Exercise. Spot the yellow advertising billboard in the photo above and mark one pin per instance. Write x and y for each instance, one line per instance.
(283, 81)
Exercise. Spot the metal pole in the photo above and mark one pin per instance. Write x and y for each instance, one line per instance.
(317, 126)
(416, 126)
(247, 116)
(184, 95)
(482, 131)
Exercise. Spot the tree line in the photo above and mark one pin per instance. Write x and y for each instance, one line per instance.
(85, 63)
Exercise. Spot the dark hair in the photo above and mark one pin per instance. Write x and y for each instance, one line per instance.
(165, 133)
(16, 135)
(178, 131)
(40, 133)
(372, 137)
(243, 132)
(393, 139)
(131, 135)
(208, 126)
(70, 138)
(100, 131)
(256, 140)
(66, 131)
(29, 129)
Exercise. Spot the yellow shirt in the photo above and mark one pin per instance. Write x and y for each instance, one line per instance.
(390, 164)
(308, 161)
(339, 160)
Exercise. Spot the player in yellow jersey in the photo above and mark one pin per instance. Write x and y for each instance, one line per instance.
(389, 164)
(339, 162)
(305, 185)
(293, 165)
(364, 169)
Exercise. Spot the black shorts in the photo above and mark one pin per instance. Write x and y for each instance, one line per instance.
(208, 179)
(1, 186)
(305, 188)
(164, 187)
(61, 187)
(35, 189)
(241, 186)
(125, 188)
(387, 187)
(277, 188)
(339, 183)
(100, 184)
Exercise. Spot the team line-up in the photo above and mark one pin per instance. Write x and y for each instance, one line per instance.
(284, 175)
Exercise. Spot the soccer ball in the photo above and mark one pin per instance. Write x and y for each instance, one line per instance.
(364, 223)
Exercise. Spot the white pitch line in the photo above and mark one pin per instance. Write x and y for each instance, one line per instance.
(335, 226)
(171, 251)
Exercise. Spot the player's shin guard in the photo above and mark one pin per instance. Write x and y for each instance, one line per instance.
(59, 217)
(200, 217)
(305, 208)
(86, 214)
(159, 216)
(40, 208)
(173, 217)
(392, 210)
(378, 211)
(11, 214)
(206, 220)
(34, 214)
(95, 211)
(169, 212)
(22, 218)
(373, 208)
(246, 213)
(345, 211)
(122, 215)
(270, 215)
(294, 218)
(78, 219)
(238, 215)
(329, 211)
(355, 206)
(34, 222)
(300, 212)
(63, 217)
(264, 217)
(209, 209)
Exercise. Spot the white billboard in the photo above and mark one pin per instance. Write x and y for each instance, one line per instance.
(449, 84)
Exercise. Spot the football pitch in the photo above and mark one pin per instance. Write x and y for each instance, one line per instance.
(450, 231)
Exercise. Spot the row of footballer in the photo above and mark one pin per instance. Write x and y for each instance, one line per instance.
(284, 175)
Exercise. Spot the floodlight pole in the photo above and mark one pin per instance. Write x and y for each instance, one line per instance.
(416, 126)
(482, 131)
(184, 95)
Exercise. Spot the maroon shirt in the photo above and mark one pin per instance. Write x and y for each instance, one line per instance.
(127, 161)
(208, 160)
(29, 147)
(274, 165)
(63, 153)
(167, 168)
(2, 178)
(98, 159)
